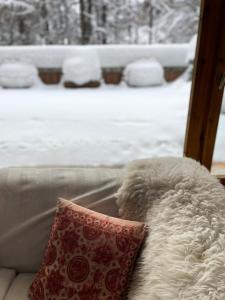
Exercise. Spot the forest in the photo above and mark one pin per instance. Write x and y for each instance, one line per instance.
(75, 22)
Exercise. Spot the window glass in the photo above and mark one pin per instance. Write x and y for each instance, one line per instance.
(218, 166)
(94, 82)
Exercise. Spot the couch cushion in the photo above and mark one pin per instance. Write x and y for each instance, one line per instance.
(19, 288)
(28, 199)
(6, 278)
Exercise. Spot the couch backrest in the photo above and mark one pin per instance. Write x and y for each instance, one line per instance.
(28, 198)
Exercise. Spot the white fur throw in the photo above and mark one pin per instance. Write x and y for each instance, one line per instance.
(184, 253)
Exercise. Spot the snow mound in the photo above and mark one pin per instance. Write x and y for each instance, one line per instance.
(17, 75)
(83, 68)
(145, 72)
(191, 50)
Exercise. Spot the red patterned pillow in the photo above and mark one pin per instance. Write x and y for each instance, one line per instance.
(89, 256)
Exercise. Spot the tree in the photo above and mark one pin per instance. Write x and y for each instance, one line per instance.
(97, 22)
(18, 7)
(86, 21)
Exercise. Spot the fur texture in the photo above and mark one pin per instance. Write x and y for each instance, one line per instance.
(184, 253)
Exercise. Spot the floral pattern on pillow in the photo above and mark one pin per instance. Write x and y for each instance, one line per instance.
(89, 256)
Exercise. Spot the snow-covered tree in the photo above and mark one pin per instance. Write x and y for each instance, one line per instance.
(97, 22)
(18, 7)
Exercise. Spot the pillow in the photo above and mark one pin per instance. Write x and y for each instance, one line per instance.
(89, 256)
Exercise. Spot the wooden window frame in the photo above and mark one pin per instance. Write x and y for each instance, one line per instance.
(207, 89)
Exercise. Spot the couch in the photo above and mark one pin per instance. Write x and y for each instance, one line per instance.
(28, 197)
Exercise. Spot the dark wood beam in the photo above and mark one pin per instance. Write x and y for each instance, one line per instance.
(220, 177)
(222, 180)
(207, 91)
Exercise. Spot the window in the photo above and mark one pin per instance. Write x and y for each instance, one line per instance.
(98, 82)
(207, 89)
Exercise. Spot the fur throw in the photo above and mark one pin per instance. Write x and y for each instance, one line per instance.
(184, 253)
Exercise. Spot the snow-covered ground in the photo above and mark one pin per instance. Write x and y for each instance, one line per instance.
(107, 125)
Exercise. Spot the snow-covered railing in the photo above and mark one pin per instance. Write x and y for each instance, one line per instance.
(111, 56)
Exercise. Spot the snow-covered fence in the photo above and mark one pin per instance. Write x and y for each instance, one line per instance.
(113, 58)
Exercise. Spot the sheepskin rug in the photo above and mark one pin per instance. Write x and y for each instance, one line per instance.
(184, 253)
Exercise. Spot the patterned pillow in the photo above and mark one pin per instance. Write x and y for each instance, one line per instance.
(89, 256)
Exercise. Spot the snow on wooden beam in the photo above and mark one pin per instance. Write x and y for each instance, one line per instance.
(110, 56)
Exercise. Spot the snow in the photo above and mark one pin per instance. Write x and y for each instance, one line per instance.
(18, 7)
(223, 104)
(82, 69)
(110, 125)
(191, 50)
(145, 72)
(17, 75)
(168, 55)
(110, 56)
(107, 22)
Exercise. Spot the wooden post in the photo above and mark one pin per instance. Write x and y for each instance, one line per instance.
(207, 91)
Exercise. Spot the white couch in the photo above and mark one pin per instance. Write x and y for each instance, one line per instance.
(28, 199)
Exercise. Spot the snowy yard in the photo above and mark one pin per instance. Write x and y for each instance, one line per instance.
(107, 125)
